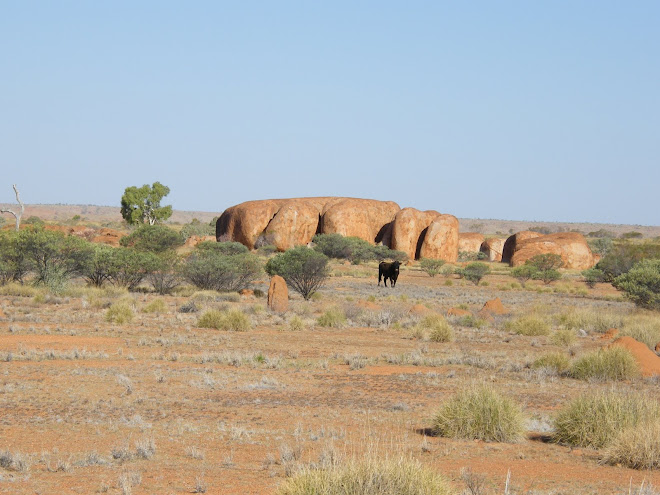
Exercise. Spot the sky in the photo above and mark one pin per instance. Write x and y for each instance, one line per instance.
(517, 110)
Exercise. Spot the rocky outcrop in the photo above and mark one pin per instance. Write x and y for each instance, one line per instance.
(409, 230)
(278, 295)
(441, 239)
(512, 242)
(492, 248)
(293, 222)
(364, 218)
(470, 242)
(571, 246)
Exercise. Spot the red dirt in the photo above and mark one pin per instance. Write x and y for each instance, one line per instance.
(648, 362)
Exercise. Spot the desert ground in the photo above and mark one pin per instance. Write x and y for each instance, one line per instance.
(159, 405)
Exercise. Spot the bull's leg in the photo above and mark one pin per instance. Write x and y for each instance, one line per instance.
(380, 275)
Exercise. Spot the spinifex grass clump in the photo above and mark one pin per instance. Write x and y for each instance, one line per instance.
(563, 337)
(637, 447)
(333, 318)
(120, 312)
(232, 319)
(612, 363)
(367, 477)
(481, 413)
(595, 419)
(439, 329)
(529, 325)
(556, 361)
(155, 306)
(590, 320)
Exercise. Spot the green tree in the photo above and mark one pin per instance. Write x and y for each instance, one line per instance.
(99, 266)
(475, 271)
(153, 238)
(14, 264)
(642, 284)
(130, 266)
(546, 265)
(624, 255)
(142, 204)
(212, 269)
(303, 269)
(592, 276)
(166, 273)
(524, 272)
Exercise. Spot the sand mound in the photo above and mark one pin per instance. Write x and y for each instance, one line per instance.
(648, 362)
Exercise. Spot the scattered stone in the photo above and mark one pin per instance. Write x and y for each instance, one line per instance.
(278, 295)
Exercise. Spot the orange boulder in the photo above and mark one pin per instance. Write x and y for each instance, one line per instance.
(409, 226)
(294, 224)
(571, 246)
(278, 295)
(441, 239)
(511, 244)
(493, 248)
(470, 242)
(367, 219)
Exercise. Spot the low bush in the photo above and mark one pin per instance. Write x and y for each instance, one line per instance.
(642, 284)
(431, 266)
(563, 337)
(528, 325)
(612, 363)
(120, 313)
(481, 413)
(233, 319)
(155, 306)
(304, 270)
(556, 361)
(624, 255)
(439, 330)
(369, 476)
(637, 447)
(593, 276)
(152, 238)
(225, 267)
(475, 271)
(333, 318)
(594, 420)
(354, 249)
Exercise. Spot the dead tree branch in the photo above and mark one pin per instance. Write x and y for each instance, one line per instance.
(18, 215)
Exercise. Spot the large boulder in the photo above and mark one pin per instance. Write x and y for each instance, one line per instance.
(469, 242)
(441, 239)
(294, 224)
(245, 222)
(409, 229)
(367, 219)
(512, 242)
(571, 246)
(492, 248)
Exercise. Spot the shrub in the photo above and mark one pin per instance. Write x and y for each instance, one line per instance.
(195, 227)
(601, 246)
(471, 256)
(234, 320)
(227, 248)
(471, 321)
(14, 263)
(129, 267)
(304, 270)
(481, 413)
(563, 337)
(475, 271)
(155, 306)
(333, 318)
(439, 329)
(296, 324)
(594, 420)
(120, 313)
(430, 266)
(546, 261)
(529, 325)
(165, 277)
(556, 361)
(547, 276)
(354, 249)
(369, 476)
(524, 273)
(623, 256)
(642, 284)
(97, 270)
(613, 363)
(222, 268)
(636, 447)
(152, 238)
(592, 276)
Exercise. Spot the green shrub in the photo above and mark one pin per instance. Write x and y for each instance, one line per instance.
(556, 361)
(612, 363)
(304, 270)
(642, 284)
(354, 249)
(524, 273)
(233, 319)
(593, 276)
(595, 419)
(224, 267)
(636, 447)
(481, 413)
(546, 261)
(624, 255)
(529, 325)
(333, 318)
(475, 271)
(195, 227)
(296, 324)
(369, 476)
(227, 248)
(430, 266)
(547, 276)
(166, 275)
(152, 238)
(119, 312)
(601, 246)
(129, 267)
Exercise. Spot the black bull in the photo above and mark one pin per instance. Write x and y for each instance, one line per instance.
(388, 270)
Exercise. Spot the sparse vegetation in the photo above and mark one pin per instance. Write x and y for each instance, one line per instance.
(120, 313)
(613, 363)
(431, 266)
(304, 270)
(641, 284)
(234, 320)
(529, 325)
(475, 271)
(636, 447)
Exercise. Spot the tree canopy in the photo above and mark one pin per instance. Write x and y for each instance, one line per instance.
(142, 204)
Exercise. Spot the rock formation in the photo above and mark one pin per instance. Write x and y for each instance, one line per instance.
(470, 242)
(571, 246)
(492, 248)
(441, 239)
(409, 229)
(364, 218)
(512, 242)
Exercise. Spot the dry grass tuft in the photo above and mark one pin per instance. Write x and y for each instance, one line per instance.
(481, 413)
(233, 319)
(612, 363)
(637, 447)
(556, 361)
(529, 325)
(120, 313)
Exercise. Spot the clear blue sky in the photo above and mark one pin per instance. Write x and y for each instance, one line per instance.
(519, 110)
